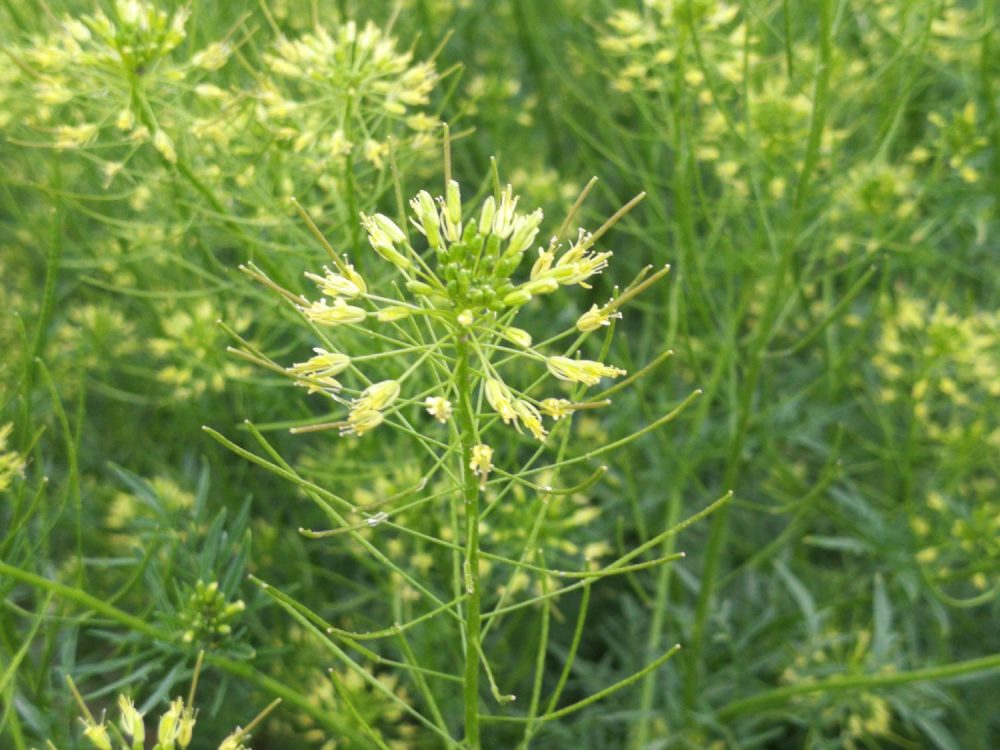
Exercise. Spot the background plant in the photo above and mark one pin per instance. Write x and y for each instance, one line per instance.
(811, 177)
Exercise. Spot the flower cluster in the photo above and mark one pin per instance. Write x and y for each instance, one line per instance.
(855, 723)
(357, 63)
(946, 366)
(938, 368)
(111, 82)
(464, 283)
(174, 731)
(188, 351)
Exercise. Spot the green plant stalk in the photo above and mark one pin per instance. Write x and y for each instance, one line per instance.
(757, 350)
(846, 683)
(470, 496)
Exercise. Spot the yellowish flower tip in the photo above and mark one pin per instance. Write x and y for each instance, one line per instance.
(517, 336)
(163, 144)
(131, 721)
(583, 371)
(317, 373)
(185, 728)
(481, 462)
(557, 408)
(234, 741)
(377, 396)
(395, 312)
(74, 136)
(170, 725)
(531, 418)
(361, 421)
(337, 285)
(125, 120)
(439, 408)
(466, 318)
(98, 735)
(596, 317)
(383, 236)
(339, 313)
(499, 397)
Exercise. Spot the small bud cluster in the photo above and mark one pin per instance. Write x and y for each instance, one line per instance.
(477, 256)
(208, 615)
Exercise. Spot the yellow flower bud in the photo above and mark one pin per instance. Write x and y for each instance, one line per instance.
(131, 721)
(163, 144)
(557, 408)
(499, 397)
(377, 396)
(596, 317)
(98, 736)
(339, 313)
(360, 421)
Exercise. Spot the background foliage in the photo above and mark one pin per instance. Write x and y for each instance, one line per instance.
(824, 179)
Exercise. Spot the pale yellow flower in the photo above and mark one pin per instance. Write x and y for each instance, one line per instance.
(339, 313)
(596, 317)
(499, 397)
(531, 418)
(319, 372)
(439, 408)
(360, 421)
(98, 736)
(337, 285)
(377, 396)
(131, 721)
(481, 462)
(584, 371)
(557, 408)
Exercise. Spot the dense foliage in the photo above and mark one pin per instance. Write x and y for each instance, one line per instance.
(823, 180)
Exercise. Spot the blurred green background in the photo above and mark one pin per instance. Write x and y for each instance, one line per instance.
(823, 179)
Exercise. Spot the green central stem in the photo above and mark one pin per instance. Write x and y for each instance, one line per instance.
(470, 495)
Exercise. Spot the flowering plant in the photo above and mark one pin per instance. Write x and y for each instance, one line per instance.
(451, 349)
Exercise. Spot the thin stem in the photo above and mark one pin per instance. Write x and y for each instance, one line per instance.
(846, 683)
(470, 496)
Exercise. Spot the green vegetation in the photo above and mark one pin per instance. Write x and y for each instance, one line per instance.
(752, 413)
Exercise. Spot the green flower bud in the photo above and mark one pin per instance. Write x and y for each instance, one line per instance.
(453, 203)
(488, 212)
(543, 285)
(419, 287)
(517, 298)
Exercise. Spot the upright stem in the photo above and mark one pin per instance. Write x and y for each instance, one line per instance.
(470, 493)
